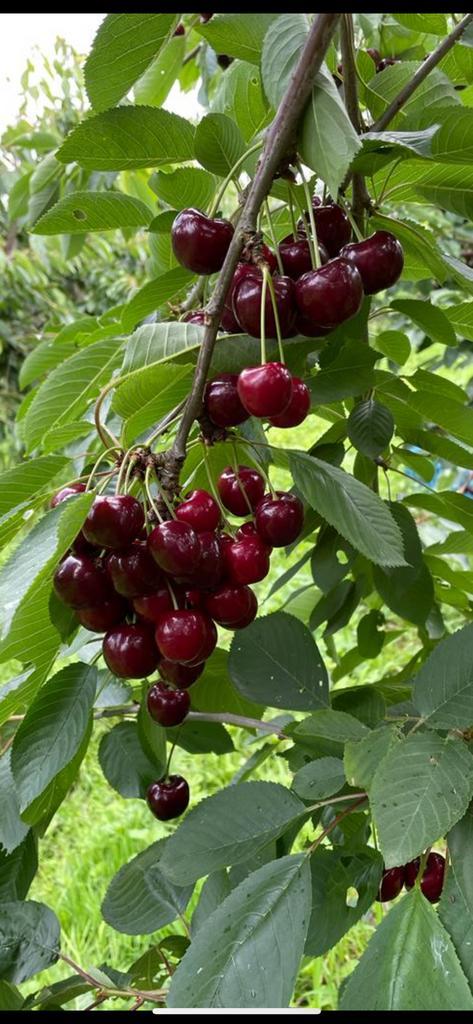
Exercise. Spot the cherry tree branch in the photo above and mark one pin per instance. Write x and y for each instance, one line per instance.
(361, 199)
(278, 141)
(421, 74)
(226, 718)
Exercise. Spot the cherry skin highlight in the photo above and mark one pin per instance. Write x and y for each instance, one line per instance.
(166, 706)
(379, 260)
(104, 616)
(298, 407)
(247, 561)
(240, 493)
(81, 582)
(222, 403)
(195, 316)
(247, 296)
(114, 521)
(331, 295)
(168, 798)
(295, 255)
(279, 520)
(200, 510)
(232, 607)
(175, 546)
(183, 636)
(133, 570)
(200, 243)
(130, 651)
(265, 390)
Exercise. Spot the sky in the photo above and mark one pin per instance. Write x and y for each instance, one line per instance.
(20, 33)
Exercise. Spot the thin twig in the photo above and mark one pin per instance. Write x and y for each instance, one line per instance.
(361, 198)
(333, 824)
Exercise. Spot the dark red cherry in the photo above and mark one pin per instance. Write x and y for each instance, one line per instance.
(166, 706)
(65, 493)
(180, 675)
(222, 402)
(232, 607)
(183, 636)
(210, 643)
(379, 260)
(206, 17)
(199, 242)
(249, 530)
(81, 582)
(81, 546)
(240, 492)
(332, 226)
(279, 520)
(200, 511)
(175, 547)
(266, 390)
(411, 871)
(133, 570)
(247, 297)
(114, 521)
(308, 329)
(228, 320)
(209, 570)
(180, 30)
(195, 316)
(168, 798)
(152, 606)
(432, 880)
(331, 295)
(130, 651)
(298, 407)
(386, 62)
(104, 616)
(374, 54)
(247, 561)
(295, 256)
(391, 884)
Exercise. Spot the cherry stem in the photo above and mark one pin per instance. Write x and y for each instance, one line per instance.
(168, 763)
(166, 422)
(333, 824)
(258, 465)
(172, 594)
(97, 462)
(272, 234)
(269, 282)
(310, 210)
(231, 176)
(164, 497)
(356, 230)
(107, 438)
(236, 470)
(151, 500)
(290, 203)
(262, 314)
(212, 486)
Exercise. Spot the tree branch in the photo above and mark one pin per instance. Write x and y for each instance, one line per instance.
(421, 74)
(226, 718)
(361, 199)
(278, 141)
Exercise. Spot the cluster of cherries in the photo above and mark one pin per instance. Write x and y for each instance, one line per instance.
(158, 596)
(431, 883)
(310, 302)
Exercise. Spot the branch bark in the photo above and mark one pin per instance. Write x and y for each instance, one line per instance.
(278, 141)
(361, 200)
(421, 74)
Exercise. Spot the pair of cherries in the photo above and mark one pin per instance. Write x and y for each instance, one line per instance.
(431, 883)
(268, 391)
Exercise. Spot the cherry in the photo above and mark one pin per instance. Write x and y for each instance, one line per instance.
(130, 651)
(249, 530)
(222, 402)
(175, 547)
(379, 260)
(103, 616)
(432, 880)
(240, 492)
(209, 644)
(295, 255)
(168, 707)
(114, 521)
(195, 316)
(180, 675)
(82, 583)
(210, 567)
(184, 636)
(332, 226)
(386, 62)
(374, 54)
(247, 297)
(331, 295)
(152, 606)
(206, 17)
(199, 242)
(298, 407)
(224, 61)
(310, 330)
(279, 520)
(65, 493)
(228, 320)
(134, 571)
(266, 390)
(180, 30)
(247, 560)
(232, 607)
(81, 546)
(391, 884)
(168, 798)
(200, 511)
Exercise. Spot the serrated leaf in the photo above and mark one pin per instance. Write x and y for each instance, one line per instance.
(124, 46)
(214, 691)
(229, 827)
(240, 96)
(370, 427)
(128, 138)
(155, 343)
(394, 345)
(349, 373)
(362, 757)
(448, 413)
(149, 394)
(52, 731)
(328, 140)
(407, 590)
(433, 24)
(237, 36)
(455, 915)
(319, 779)
(202, 738)
(410, 964)
(218, 143)
(93, 211)
(184, 187)
(252, 945)
(140, 898)
(331, 725)
(124, 763)
(29, 939)
(282, 45)
(22, 482)
(443, 688)
(275, 662)
(435, 91)
(461, 851)
(154, 86)
(333, 874)
(421, 788)
(43, 808)
(13, 830)
(429, 318)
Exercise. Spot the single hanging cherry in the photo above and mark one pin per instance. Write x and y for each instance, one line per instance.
(200, 243)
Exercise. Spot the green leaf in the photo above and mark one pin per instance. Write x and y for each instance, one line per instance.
(152, 737)
(227, 828)
(408, 590)
(282, 46)
(461, 317)
(152, 296)
(328, 139)
(455, 915)
(183, 187)
(449, 414)
(149, 394)
(140, 899)
(240, 96)
(128, 138)
(275, 662)
(370, 427)
(252, 945)
(349, 373)
(443, 688)
(13, 830)
(430, 319)
(331, 725)
(433, 24)
(237, 36)
(36, 557)
(319, 779)
(460, 847)
(444, 185)
(333, 874)
(124, 762)
(69, 389)
(453, 142)
(214, 691)
(154, 86)
(435, 91)
(394, 345)
(214, 890)
(29, 939)
(351, 507)
(421, 788)
(43, 808)
(155, 343)
(22, 482)
(202, 738)
(362, 757)
(454, 507)
(93, 211)
(401, 968)
(17, 870)
(10, 997)
(123, 48)
(218, 143)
